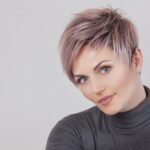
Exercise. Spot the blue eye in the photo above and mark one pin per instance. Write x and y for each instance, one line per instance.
(82, 80)
(105, 69)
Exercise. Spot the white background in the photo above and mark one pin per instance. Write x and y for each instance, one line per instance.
(34, 92)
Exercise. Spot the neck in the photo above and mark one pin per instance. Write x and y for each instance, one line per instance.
(135, 119)
(138, 98)
(140, 95)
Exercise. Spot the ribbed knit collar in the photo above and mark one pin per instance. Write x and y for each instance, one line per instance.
(133, 120)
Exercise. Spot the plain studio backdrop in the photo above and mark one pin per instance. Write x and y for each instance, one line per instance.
(34, 92)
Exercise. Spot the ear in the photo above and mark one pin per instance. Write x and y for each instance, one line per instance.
(137, 60)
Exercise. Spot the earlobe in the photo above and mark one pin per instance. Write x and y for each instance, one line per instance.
(137, 60)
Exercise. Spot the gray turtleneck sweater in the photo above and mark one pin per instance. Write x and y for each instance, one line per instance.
(93, 130)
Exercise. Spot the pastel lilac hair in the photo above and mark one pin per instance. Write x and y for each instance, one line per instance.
(97, 28)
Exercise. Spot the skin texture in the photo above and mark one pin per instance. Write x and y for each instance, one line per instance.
(99, 73)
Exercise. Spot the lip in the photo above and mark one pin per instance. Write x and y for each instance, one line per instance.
(105, 100)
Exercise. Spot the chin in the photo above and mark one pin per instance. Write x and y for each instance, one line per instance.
(110, 111)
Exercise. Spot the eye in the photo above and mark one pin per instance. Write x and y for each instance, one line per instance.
(105, 69)
(81, 80)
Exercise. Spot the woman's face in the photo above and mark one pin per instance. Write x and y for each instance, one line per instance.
(106, 80)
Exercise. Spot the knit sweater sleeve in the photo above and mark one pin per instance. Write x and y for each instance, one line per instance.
(64, 136)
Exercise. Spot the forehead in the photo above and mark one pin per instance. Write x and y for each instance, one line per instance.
(90, 57)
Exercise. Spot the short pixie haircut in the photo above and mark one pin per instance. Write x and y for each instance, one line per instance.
(97, 28)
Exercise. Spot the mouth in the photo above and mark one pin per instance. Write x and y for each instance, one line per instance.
(105, 100)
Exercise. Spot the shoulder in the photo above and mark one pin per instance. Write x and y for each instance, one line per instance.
(78, 123)
(77, 119)
(74, 128)
(89, 114)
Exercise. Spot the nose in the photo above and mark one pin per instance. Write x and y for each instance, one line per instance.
(97, 87)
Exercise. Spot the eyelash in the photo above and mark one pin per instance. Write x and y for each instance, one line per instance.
(104, 67)
(78, 81)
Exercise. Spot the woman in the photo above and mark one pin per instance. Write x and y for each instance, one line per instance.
(100, 54)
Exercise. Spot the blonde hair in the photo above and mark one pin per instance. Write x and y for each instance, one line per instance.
(97, 28)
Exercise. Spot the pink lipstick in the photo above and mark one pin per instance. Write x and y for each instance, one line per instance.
(105, 100)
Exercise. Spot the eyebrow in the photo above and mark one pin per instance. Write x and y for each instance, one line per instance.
(95, 68)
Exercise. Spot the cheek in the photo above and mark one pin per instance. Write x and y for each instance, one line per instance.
(121, 79)
(87, 92)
